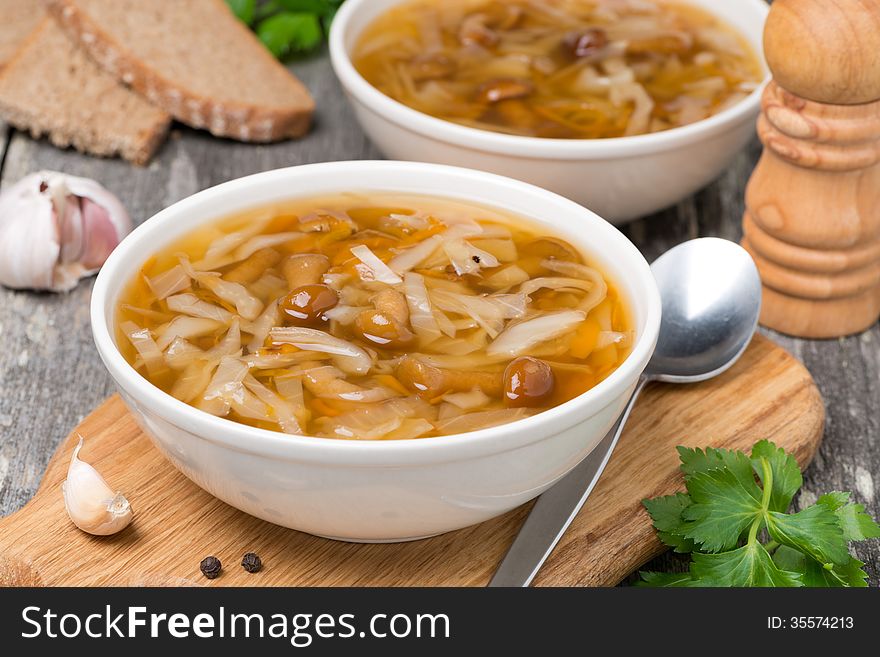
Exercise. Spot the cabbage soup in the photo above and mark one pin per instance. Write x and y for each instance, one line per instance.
(561, 69)
(373, 317)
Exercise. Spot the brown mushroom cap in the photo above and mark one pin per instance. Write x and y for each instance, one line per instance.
(388, 324)
(431, 381)
(528, 383)
(304, 269)
(306, 305)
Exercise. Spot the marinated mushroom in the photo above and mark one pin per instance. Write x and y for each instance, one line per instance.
(306, 305)
(326, 223)
(329, 382)
(528, 382)
(250, 269)
(431, 381)
(476, 31)
(388, 324)
(584, 43)
(499, 89)
(304, 269)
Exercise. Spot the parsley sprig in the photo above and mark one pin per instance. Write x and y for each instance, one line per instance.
(287, 27)
(734, 523)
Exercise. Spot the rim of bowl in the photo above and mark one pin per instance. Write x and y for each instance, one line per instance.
(522, 146)
(128, 256)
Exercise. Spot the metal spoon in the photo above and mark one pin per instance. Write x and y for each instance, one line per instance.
(711, 295)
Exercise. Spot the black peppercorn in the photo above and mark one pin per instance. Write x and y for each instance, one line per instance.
(210, 567)
(251, 563)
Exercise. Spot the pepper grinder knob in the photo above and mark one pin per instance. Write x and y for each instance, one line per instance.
(812, 220)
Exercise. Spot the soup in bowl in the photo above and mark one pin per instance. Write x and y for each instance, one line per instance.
(625, 106)
(373, 317)
(563, 69)
(410, 355)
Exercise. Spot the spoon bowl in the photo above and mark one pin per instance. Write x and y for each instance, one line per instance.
(711, 295)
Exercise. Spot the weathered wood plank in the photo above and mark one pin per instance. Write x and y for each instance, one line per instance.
(50, 375)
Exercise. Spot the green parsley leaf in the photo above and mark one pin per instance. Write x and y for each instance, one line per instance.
(856, 524)
(288, 32)
(665, 580)
(721, 511)
(666, 514)
(816, 575)
(749, 566)
(696, 461)
(243, 9)
(730, 498)
(287, 26)
(815, 531)
(307, 6)
(327, 18)
(787, 478)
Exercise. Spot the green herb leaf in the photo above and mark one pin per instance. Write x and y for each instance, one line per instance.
(722, 509)
(666, 580)
(267, 8)
(848, 575)
(243, 9)
(747, 566)
(696, 461)
(327, 18)
(308, 6)
(816, 575)
(856, 524)
(815, 531)
(286, 33)
(666, 514)
(787, 478)
(287, 26)
(720, 520)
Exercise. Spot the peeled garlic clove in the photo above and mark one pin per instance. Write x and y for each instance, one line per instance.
(92, 505)
(56, 229)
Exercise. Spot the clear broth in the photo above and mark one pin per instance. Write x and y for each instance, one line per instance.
(578, 359)
(563, 69)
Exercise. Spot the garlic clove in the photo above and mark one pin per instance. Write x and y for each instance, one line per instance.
(91, 504)
(28, 249)
(56, 229)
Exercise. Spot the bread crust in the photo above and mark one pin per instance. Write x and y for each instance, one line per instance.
(138, 148)
(240, 121)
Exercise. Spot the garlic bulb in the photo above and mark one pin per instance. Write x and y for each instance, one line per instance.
(90, 502)
(56, 229)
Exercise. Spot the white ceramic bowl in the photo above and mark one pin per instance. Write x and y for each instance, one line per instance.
(378, 491)
(620, 179)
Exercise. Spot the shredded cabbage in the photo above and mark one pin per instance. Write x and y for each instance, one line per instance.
(520, 337)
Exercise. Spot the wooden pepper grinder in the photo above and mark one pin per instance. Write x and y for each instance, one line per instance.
(812, 220)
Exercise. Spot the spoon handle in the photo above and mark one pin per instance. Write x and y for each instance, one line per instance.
(555, 509)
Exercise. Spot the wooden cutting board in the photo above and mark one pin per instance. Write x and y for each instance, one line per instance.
(768, 394)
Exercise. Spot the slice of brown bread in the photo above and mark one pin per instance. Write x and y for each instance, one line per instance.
(194, 59)
(18, 18)
(51, 87)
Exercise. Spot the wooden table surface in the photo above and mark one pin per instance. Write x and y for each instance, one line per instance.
(51, 376)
